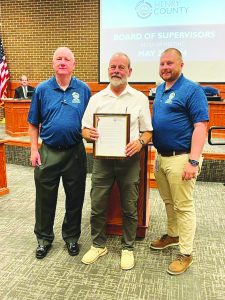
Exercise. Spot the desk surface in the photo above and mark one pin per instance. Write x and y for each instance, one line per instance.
(216, 102)
(12, 100)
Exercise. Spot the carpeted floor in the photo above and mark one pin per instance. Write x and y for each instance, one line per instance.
(62, 277)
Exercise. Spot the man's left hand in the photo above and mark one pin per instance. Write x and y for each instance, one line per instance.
(189, 172)
(133, 147)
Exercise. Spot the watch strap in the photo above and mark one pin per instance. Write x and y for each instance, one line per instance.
(142, 142)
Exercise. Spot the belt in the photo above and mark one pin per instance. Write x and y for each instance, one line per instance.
(61, 148)
(173, 153)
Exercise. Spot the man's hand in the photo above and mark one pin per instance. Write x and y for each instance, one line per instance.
(35, 158)
(133, 147)
(34, 134)
(189, 172)
(90, 134)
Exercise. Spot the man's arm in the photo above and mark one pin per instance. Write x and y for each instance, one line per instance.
(16, 94)
(34, 134)
(197, 144)
(198, 140)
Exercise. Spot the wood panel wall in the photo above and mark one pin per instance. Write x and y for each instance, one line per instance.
(96, 87)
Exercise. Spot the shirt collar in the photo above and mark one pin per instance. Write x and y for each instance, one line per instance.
(176, 85)
(73, 83)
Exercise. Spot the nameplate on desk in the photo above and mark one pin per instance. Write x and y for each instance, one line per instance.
(214, 98)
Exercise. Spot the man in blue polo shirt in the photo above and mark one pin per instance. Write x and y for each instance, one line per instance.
(180, 116)
(56, 111)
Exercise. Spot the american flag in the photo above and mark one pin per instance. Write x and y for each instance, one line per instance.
(4, 73)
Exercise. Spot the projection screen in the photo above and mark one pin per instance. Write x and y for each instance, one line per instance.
(143, 29)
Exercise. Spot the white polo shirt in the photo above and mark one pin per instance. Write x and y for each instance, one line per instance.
(131, 101)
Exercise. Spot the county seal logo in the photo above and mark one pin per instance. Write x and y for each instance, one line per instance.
(143, 9)
(171, 96)
(76, 97)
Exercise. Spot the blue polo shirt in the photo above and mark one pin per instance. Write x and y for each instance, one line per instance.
(175, 111)
(59, 112)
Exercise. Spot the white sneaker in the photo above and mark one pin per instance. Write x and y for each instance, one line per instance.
(127, 260)
(93, 254)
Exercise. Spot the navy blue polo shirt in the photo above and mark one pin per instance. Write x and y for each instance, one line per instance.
(175, 111)
(59, 112)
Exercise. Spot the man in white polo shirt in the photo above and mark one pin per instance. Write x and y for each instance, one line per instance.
(118, 97)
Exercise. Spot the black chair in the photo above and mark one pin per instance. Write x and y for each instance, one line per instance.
(211, 129)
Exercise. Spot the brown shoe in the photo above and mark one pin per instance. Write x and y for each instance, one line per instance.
(180, 265)
(164, 242)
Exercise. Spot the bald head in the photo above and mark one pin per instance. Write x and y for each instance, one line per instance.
(123, 55)
(64, 50)
(63, 64)
(173, 51)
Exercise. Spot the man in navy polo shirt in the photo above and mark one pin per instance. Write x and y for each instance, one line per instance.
(180, 116)
(55, 115)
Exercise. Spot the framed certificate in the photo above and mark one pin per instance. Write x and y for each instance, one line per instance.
(114, 135)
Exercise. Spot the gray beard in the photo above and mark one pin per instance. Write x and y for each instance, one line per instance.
(116, 82)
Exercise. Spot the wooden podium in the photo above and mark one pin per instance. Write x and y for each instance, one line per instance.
(114, 217)
(16, 112)
(3, 181)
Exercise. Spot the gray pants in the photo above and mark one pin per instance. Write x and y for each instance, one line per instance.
(126, 172)
(70, 165)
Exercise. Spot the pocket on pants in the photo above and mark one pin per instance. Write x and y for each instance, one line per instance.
(43, 151)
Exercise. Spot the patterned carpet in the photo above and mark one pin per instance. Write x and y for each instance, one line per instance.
(62, 277)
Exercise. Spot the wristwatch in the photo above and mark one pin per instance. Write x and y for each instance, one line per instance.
(193, 162)
(142, 142)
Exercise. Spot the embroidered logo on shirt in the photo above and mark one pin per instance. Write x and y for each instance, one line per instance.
(171, 96)
(76, 97)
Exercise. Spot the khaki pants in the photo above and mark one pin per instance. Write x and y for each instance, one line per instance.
(177, 195)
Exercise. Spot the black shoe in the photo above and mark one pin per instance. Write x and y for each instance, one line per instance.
(42, 251)
(73, 248)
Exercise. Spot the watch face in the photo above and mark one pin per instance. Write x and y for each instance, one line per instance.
(193, 162)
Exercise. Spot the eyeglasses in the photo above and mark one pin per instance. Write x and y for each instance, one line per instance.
(120, 67)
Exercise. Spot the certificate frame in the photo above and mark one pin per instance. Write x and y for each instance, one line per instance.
(114, 135)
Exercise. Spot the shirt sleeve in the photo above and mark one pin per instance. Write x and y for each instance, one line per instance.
(145, 117)
(34, 112)
(198, 106)
(87, 120)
